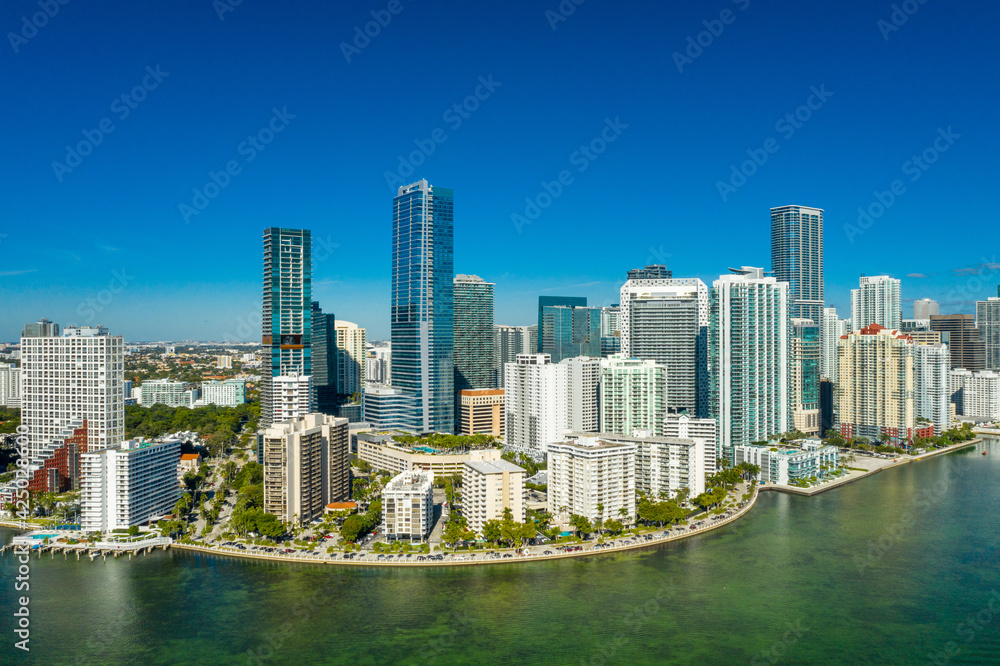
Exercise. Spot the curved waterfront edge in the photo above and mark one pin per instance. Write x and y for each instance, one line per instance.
(658, 539)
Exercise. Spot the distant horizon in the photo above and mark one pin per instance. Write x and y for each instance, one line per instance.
(578, 146)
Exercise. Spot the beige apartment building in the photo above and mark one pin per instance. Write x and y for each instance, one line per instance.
(480, 411)
(381, 452)
(490, 487)
(305, 466)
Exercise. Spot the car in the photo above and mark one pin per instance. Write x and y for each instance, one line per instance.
(548, 552)
(289, 550)
(506, 555)
(420, 558)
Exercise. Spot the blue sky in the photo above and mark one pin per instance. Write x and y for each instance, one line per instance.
(103, 239)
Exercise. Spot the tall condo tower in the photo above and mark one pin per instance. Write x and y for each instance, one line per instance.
(422, 320)
(287, 311)
(474, 363)
(797, 257)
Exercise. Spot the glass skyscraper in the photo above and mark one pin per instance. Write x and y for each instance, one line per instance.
(422, 305)
(545, 301)
(324, 359)
(474, 364)
(797, 257)
(287, 310)
(568, 332)
(805, 375)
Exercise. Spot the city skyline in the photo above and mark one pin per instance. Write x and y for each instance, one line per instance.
(112, 230)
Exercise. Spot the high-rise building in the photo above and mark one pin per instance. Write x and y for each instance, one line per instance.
(224, 362)
(228, 393)
(666, 320)
(547, 301)
(805, 352)
(664, 465)
(306, 466)
(988, 323)
(291, 397)
(422, 305)
(10, 385)
(931, 385)
(968, 350)
(923, 308)
(749, 360)
(706, 431)
(874, 388)
(797, 257)
(408, 506)
(543, 400)
(70, 378)
(593, 478)
(379, 364)
(508, 342)
(480, 411)
(474, 364)
(611, 342)
(831, 328)
(633, 395)
(131, 483)
(488, 488)
(287, 310)
(325, 376)
(876, 301)
(569, 331)
(352, 343)
(976, 394)
(911, 325)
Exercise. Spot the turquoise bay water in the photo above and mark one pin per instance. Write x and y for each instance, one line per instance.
(898, 568)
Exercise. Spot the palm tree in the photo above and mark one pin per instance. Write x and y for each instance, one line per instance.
(623, 513)
(600, 518)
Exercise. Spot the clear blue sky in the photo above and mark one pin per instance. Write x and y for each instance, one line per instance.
(652, 195)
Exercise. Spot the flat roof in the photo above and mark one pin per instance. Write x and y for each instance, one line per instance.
(493, 466)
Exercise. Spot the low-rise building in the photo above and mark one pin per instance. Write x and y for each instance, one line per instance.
(129, 484)
(408, 506)
(166, 392)
(382, 452)
(781, 464)
(591, 477)
(488, 488)
(190, 462)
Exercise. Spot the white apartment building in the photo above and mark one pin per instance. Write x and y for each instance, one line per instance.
(831, 329)
(352, 352)
(633, 395)
(129, 484)
(931, 385)
(543, 400)
(508, 342)
(586, 472)
(976, 394)
(780, 465)
(381, 452)
(876, 301)
(306, 466)
(749, 356)
(70, 377)
(923, 308)
(224, 362)
(378, 364)
(166, 392)
(228, 393)
(10, 385)
(408, 506)
(682, 426)
(664, 465)
(490, 487)
(291, 397)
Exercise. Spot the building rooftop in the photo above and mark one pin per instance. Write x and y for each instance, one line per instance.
(494, 466)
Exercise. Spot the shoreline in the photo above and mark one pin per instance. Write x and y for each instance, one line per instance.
(659, 537)
(851, 478)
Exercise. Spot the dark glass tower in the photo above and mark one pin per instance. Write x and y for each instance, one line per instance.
(324, 359)
(545, 301)
(474, 362)
(568, 332)
(422, 305)
(797, 257)
(287, 310)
